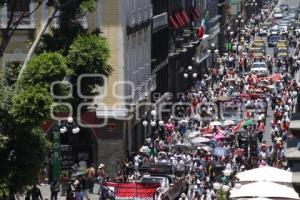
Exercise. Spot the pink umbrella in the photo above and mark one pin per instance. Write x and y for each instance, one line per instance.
(219, 136)
(239, 152)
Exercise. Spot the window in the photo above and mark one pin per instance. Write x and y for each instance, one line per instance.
(18, 6)
(132, 7)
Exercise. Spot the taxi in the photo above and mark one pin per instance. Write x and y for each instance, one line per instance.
(259, 44)
(257, 52)
(282, 43)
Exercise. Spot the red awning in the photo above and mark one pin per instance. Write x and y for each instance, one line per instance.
(172, 23)
(195, 13)
(179, 20)
(184, 17)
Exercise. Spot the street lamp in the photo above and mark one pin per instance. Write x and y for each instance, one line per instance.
(221, 191)
(213, 50)
(61, 128)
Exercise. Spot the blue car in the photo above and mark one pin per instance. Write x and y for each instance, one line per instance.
(272, 41)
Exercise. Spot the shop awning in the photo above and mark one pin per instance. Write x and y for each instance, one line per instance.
(179, 19)
(185, 17)
(195, 13)
(172, 23)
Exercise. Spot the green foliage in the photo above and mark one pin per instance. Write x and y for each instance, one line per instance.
(31, 105)
(23, 157)
(11, 72)
(45, 69)
(68, 51)
(89, 54)
(87, 6)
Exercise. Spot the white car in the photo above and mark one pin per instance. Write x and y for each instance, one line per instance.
(260, 69)
(278, 15)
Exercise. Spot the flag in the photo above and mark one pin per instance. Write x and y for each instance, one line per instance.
(239, 125)
(205, 21)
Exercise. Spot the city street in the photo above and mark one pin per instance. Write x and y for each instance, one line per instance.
(167, 99)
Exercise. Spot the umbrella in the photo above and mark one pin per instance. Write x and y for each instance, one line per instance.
(219, 136)
(271, 86)
(193, 134)
(144, 149)
(198, 140)
(259, 90)
(239, 152)
(228, 122)
(224, 98)
(215, 123)
(266, 174)
(220, 152)
(208, 135)
(185, 146)
(246, 96)
(264, 189)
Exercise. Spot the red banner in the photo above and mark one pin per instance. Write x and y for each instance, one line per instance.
(127, 190)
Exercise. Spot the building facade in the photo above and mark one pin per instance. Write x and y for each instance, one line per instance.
(126, 25)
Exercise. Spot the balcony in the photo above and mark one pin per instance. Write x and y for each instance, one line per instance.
(82, 19)
(25, 23)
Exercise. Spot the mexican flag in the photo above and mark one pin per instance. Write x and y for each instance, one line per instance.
(205, 23)
(242, 123)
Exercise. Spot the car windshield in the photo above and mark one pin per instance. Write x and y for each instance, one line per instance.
(257, 50)
(274, 38)
(258, 65)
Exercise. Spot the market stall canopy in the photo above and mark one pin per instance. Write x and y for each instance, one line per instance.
(264, 189)
(265, 174)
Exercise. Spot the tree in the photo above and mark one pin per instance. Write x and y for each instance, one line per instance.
(13, 22)
(25, 101)
(23, 108)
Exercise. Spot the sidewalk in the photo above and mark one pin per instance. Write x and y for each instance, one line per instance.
(45, 189)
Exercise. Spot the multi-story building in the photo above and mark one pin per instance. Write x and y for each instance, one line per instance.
(126, 25)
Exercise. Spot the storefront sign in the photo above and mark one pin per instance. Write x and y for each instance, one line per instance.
(56, 158)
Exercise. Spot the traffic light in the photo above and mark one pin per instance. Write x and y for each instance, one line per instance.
(243, 143)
